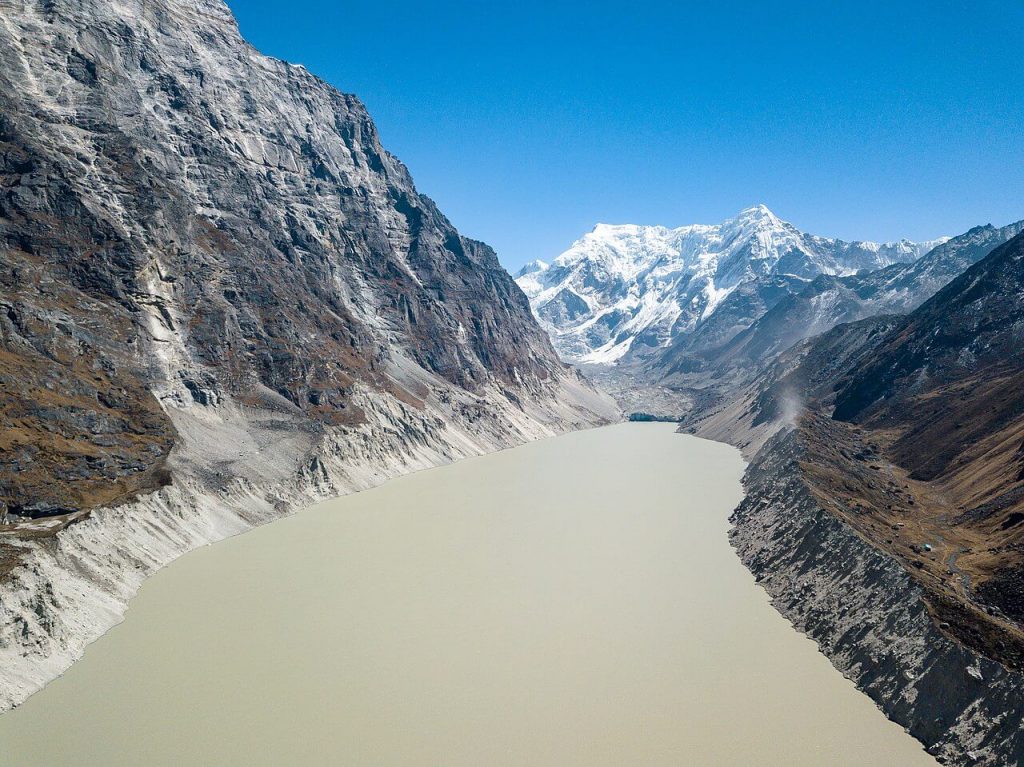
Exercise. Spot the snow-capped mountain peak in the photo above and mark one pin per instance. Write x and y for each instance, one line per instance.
(758, 214)
(533, 266)
(623, 288)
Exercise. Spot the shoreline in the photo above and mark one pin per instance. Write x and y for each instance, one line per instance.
(407, 566)
(76, 587)
(870, 620)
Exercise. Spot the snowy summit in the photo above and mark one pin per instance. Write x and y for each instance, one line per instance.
(622, 289)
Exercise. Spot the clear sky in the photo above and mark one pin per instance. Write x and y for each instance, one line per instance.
(528, 122)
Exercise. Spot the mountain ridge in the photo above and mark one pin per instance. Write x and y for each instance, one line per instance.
(829, 301)
(626, 290)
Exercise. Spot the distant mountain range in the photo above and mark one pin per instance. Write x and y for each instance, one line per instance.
(626, 292)
(830, 300)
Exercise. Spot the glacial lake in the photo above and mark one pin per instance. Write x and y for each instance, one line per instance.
(574, 601)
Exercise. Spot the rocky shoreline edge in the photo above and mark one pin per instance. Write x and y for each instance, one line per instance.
(870, 619)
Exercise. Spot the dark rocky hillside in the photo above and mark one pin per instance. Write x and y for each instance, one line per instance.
(183, 219)
(947, 387)
(972, 326)
(931, 411)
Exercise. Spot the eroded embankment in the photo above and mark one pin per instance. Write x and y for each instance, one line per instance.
(70, 586)
(870, 618)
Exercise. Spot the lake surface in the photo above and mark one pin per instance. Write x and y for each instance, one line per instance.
(571, 602)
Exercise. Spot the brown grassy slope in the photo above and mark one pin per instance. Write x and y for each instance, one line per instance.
(924, 456)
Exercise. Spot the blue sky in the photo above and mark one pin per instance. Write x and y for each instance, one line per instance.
(529, 122)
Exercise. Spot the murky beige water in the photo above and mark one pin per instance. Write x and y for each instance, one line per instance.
(571, 602)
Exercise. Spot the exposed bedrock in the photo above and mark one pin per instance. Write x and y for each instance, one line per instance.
(871, 619)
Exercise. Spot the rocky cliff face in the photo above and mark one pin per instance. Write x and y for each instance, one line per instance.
(221, 298)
